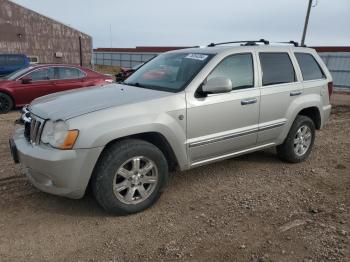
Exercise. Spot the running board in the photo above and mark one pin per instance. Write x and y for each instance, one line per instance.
(242, 152)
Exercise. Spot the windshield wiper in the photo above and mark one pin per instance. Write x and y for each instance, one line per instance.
(133, 84)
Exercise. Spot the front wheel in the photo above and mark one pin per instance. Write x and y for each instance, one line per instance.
(6, 103)
(298, 144)
(129, 177)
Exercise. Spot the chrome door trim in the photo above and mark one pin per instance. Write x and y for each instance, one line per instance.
(270, 126)
(235, 134)
(224, 137)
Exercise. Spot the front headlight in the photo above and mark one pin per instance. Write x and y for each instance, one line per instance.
(58, 135)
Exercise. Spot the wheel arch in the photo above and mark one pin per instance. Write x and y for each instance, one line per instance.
(313, 113)
(6, 92)
(154, 138)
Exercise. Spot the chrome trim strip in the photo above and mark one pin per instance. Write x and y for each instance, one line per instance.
(272, 126)
(221, 138)
(217, 158)
(234, 135)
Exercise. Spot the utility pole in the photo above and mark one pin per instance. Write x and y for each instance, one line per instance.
(306, 22)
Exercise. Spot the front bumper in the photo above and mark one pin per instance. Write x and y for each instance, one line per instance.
(59, 172)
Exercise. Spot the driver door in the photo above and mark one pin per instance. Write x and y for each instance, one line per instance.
(219, 125)
(40, 84)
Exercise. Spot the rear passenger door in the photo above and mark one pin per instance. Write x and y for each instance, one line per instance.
(68, 78)
(314, 79)
(279, 87)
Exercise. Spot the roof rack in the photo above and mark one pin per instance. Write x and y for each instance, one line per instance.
(246, 43)
(296, 44)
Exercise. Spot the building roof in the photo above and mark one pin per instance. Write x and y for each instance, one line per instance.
(332, 48)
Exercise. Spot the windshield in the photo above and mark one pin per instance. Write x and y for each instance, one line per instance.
(169, 72)
(18, 73)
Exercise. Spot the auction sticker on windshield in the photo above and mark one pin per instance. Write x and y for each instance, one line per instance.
(197, 56)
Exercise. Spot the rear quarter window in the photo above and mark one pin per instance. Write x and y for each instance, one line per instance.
(309, 67)
(277, 68)
(69, 73)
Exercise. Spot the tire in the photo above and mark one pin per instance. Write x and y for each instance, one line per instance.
(129, 177)
(6, 103)
(298, 144)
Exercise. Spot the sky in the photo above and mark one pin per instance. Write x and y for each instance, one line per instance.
(130, 23)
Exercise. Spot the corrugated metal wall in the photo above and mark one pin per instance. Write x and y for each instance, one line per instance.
(121, 59)
(338, 64)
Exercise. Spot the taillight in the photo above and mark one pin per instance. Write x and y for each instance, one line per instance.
(330, 88)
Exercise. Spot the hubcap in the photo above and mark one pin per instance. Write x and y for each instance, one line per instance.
(135, 180)
(302, 140)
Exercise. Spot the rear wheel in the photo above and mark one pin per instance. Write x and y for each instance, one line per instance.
(6, 103)
(129, 177)
(298, 144)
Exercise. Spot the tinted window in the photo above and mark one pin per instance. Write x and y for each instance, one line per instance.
(42, 74)
(69, 73)
(238, 68)
(3, 60)
(277, 68)
(309, 67)
(15, 60)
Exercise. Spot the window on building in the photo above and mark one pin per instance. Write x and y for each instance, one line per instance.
(239, 68)
(277, 68)
(33, 59)
(309, 67)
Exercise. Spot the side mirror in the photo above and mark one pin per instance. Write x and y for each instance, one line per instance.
(217, 85)
(26, 80)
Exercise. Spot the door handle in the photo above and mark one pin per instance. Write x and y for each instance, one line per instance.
(295, 93)
(249, 101)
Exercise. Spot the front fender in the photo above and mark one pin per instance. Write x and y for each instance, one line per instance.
(99, 128)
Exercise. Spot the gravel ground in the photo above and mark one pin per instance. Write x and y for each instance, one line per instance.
(250, 208)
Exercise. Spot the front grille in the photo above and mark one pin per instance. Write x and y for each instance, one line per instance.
(33, 129)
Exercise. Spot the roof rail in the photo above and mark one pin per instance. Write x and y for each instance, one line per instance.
(296, 44)
(247, 42)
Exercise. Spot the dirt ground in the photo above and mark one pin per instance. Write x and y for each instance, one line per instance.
(250, 208)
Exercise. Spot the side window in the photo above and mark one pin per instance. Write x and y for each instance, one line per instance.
(277, 68)
(310, 69)
(3, 60)
(15, 60)
(81, 74)
(68, 73)
(42, 74)
(239, 68)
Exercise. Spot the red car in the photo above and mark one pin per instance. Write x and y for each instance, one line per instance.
(21, 87)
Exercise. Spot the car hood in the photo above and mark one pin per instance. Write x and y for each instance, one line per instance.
(73, 103)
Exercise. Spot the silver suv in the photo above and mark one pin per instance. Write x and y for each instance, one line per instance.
(183, 109)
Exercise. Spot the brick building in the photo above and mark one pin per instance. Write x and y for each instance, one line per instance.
(39, 37)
